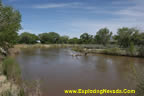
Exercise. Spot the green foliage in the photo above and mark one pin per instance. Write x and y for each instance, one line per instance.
(28, 38)
(131, 49)
(74, 40)
(21, 92)
(86, 38)
(141, 50)
(140, 88)
(103, 36)
(63, 39)
(141, 39)
(11, 69)
(49, 38)
(9, 25)
(113, 51)
(127, 35)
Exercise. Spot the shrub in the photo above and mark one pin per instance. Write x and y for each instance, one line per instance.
(141, 51)
(140, 88)
(11, 69)
(112, 51)
(131, 49)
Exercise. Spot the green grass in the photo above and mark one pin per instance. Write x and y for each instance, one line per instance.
(11, 69)
(141, 51)
(140, 88)
(114, 51)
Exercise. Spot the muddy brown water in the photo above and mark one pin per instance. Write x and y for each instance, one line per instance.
(57, 70)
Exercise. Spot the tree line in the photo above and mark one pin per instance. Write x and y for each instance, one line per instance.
(10, 24)
(124, 38)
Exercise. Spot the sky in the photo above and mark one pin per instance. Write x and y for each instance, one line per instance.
(74, 17)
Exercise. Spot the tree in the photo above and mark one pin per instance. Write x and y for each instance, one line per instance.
(74, 40)
(64, 39)
(141, 39)
(86, 38)
(125, 36)
(43, 38)
(28, 38)
(9, 26)
(49, 38)
(103, 36)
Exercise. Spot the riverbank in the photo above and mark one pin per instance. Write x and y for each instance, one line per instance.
(11, 83)
(81, 48)
(8, 88)
(96, 49)
(9, 75)
(43, 46)
(111, 51)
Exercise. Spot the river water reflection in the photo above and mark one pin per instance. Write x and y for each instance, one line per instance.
(58, 70)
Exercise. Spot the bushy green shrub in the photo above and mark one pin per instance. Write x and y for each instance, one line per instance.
(11, 69)
(132, 49)
(141, 51)
(112, 51)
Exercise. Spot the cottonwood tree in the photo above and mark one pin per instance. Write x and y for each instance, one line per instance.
(125, 36)
(28, 38)
(103, 36)
(49, 38)
(9, 25)
(86, 38)
(63, 39)
(74, 40)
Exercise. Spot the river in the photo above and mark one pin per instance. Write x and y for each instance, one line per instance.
(57, 70)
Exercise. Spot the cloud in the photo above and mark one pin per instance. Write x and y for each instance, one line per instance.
(134, 10)
(57, 5)
(125, 2)
(78, 5)
(129, 12)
